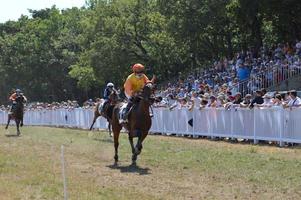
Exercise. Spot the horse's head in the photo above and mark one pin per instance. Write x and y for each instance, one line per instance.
(20, 99)
(147, 92)
(19, 102)
(114, 96)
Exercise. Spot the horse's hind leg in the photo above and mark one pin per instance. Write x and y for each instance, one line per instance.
(110, 131)
(8, 121)
(94, 120)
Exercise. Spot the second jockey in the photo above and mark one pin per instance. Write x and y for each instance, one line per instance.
(132, 86)
(106, 95)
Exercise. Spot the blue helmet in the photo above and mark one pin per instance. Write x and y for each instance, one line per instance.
(18, 91)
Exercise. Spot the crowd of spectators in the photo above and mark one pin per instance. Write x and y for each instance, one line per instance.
(228, 81)
(261, 98)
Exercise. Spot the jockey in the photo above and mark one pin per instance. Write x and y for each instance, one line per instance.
(14, 96)
(106, 95)
(134, 84)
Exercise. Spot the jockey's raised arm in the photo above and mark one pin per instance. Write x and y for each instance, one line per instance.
(13, 97)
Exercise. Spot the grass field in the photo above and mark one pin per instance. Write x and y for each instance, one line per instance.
(168, 168)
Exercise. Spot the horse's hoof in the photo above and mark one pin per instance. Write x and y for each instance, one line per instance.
(134, 164)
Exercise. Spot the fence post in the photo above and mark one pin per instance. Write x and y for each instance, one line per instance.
(281, 143)
(232, 123)
(255, 140)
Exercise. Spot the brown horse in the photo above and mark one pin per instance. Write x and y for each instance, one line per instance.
(17, 114)
(113, 99)
(139, 121)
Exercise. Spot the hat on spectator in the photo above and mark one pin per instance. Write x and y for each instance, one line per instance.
(221, 97)
(267, 96)
(248, 96)
(258, 92)
(231, 98)
(206, 96)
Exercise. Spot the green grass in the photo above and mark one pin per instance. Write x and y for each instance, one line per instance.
(168, 168)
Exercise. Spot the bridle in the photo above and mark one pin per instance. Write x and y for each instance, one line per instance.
(148, 98)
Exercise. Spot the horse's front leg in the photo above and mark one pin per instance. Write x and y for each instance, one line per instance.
(18, 126)
(132, 143)
(139, 146)
(21, 122)
(134, 155)
(8, 121)
(116, 132)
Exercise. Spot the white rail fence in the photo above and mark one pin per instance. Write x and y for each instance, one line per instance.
(270, 124)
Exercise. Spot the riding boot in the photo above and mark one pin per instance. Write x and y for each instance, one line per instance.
(127, 110)
(13, 107)
(103, 107)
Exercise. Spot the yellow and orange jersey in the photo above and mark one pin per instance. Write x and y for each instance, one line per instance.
(134, 84)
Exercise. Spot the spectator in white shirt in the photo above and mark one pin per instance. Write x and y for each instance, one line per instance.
(171, 101)
(267, 101)
(196, 101)
(294, 100)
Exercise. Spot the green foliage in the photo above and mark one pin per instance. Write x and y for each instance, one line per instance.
(74, 52)
(84, 75)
